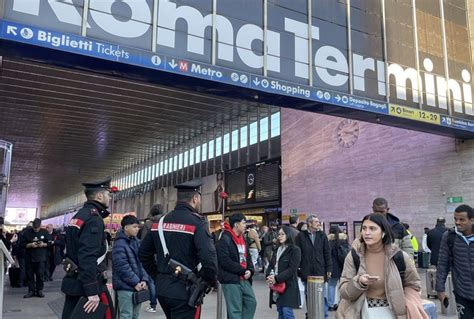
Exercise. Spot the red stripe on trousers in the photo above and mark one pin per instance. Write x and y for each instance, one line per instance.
(105, 300)
(197, 314)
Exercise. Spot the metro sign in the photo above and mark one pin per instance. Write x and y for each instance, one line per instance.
(236, 45)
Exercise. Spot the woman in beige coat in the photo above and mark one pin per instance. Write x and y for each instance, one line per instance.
(375, 289)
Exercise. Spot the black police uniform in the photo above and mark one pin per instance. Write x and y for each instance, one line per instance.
(35, 259)
(85, 244)
(189, 242)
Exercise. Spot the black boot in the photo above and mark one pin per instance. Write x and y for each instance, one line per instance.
(29, 294)
(40, 294)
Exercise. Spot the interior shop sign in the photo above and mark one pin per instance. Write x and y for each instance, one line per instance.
(184, 30)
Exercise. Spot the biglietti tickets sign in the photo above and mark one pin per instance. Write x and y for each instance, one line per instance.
(385, 57)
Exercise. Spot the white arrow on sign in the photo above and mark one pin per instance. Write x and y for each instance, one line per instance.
(338, 98)
(12, 30)
(256, 81)
(173, 64)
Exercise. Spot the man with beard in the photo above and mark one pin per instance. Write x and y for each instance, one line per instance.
(401, 236)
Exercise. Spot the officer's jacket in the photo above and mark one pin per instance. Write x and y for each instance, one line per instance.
(85, 243)
(189, 242)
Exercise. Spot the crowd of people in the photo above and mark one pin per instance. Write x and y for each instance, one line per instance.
(173, 258)
(36, 251)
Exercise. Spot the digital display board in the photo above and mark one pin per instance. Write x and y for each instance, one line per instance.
(257, 183)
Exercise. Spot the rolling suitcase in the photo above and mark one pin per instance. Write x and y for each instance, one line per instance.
(14, 274)
(431, 283)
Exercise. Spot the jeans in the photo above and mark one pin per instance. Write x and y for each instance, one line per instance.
(285, 313)
(326, 307)
(332, 286)
(152, 288)
(127, 310)
(240, 300)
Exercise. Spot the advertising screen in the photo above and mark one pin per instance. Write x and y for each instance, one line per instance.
(19, 216)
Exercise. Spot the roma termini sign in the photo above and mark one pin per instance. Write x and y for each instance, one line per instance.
(381, 56)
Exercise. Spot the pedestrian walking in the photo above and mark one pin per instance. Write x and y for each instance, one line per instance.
(156, 212)
(339, 246)
(433, 239)
(378, 277)
(253, 242)
(55, 247)
(269, 244)
(456, 254)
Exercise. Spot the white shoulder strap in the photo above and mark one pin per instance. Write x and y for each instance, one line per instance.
(102, 258)
(162, 237)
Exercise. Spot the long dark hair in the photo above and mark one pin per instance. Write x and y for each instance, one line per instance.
(289, 238)
(382, 222)
(334, 229)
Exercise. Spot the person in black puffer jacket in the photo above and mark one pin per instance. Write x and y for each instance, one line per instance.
(339, 247)
(128, 274)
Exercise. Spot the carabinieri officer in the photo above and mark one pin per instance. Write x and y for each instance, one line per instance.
(187, 237)
(86, 248)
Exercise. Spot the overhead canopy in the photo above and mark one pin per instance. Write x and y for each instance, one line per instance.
(69, 126)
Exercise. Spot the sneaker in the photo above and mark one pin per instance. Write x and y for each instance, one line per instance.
(151, 309)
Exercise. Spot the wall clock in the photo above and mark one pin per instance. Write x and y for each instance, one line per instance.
(347, 133)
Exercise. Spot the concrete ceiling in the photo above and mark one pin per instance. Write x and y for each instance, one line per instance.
(68, 126)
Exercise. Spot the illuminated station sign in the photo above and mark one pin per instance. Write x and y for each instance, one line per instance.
(399, 59)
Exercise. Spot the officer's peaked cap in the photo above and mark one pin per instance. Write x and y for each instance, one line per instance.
(101, 184)
(190, 186)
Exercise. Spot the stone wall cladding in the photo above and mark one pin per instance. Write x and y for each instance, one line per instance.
(414, 171)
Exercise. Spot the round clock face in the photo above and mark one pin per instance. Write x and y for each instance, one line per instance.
(347, 132)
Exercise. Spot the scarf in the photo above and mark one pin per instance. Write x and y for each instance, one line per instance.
(240, 243)
(414, 304)
(280, 251)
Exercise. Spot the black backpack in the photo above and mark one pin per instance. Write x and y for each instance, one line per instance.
(342, 251)
(397, 258)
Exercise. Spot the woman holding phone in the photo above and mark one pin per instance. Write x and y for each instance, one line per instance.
(371, 285)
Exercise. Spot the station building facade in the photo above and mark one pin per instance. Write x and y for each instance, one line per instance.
(391, 81)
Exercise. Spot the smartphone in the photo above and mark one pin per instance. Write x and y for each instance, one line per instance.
(374, 277)
(446, 302)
